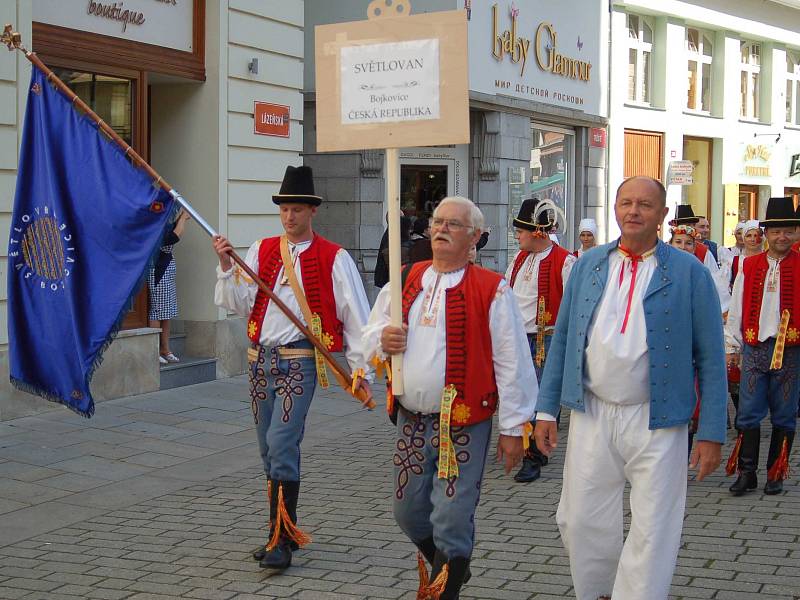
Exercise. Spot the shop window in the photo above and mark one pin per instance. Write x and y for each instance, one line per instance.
(750, 80)
(700, 52)
(640, 51)
(421, 189)
(117, 99)
(552, 160)
(793, 88)
(698, 193)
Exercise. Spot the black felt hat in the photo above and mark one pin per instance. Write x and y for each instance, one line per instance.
(780, 213)
(684, 215)
(297, 187)
(525, 220)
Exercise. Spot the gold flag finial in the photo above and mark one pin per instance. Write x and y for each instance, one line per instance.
(385, 9)
(11, 38)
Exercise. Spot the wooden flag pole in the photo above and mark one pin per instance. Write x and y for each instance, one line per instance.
(13, 40)
(395, 277)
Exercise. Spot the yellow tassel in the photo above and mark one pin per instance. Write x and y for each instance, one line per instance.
(540, 325)
(780, 342)
(527, 434)
(448, 465)
(358, 375)
(319, 359)
(284, 527)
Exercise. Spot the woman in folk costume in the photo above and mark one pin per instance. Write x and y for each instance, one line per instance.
(753, 239)
(686, 238)
(684, 215)
(764, 325)
(538, 275)
(587, 233)
(319, 282)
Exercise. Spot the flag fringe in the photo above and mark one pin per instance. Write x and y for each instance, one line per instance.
(36, 390)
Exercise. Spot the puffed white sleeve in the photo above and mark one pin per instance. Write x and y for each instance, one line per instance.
(720, 282)
(352, 309)
(513, 368)
(733, 326)
(235, 290)
(379, 318)
(566, 270)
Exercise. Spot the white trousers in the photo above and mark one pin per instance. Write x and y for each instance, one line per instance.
(608, 444)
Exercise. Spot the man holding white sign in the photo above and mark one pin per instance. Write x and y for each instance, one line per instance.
(444, 416)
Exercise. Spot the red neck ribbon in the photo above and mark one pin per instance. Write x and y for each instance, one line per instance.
(635, 260)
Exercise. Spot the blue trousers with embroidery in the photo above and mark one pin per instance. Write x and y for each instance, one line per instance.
(281, 391)
(762, 389)
(426, 506)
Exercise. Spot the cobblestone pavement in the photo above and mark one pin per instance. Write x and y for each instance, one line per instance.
(160, 496)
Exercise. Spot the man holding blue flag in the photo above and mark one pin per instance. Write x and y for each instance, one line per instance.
(85, 225)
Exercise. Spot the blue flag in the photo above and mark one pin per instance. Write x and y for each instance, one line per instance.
(85, 225)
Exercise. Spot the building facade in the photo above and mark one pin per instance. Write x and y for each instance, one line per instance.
(179, 81)
(705, 95)
(538, 106)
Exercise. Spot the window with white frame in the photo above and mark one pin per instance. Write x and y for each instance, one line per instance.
(750, 80)
(700, 52)
(640, 53)
(793, 87)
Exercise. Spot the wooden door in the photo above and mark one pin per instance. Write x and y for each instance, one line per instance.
(644, 154)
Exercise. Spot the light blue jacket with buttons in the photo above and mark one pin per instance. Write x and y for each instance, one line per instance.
(684, 337)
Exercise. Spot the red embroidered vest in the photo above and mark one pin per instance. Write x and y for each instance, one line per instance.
(469, 366)
(755, 273)
(700, 251)
(735, 268)
(316, 269)
(796, 246)
(550, 284)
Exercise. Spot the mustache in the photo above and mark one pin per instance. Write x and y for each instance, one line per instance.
(442, 236)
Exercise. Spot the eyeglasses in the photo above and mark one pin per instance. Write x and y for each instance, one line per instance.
(451, 224)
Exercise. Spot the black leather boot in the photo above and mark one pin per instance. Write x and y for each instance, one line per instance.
(457, 571)
(775, 486)
(280, 557)
(428, 549)
(532, 464)
(261, 551)
(748, 462)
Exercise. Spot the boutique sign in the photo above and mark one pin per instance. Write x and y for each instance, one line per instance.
(165, 23)
(552, 54)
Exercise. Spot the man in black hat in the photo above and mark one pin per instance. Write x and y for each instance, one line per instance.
(320, 283)
(538, 275)
(764, 324)
(684, 215)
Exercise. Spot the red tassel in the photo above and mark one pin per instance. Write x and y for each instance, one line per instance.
(780, 468)
(733, 460)
(428, 590)
(285, 528)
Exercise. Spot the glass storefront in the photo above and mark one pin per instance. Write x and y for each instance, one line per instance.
(421, 188)
(110, 97)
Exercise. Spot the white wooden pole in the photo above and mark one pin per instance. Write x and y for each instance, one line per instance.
(396, 312)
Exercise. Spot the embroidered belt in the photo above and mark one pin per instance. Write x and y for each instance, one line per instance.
(295, 352)
(448, 465)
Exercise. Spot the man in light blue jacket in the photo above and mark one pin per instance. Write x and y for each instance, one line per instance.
(639, 323)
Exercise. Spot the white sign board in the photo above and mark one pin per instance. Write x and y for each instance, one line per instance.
(680, 172)
(390, 83)
(165, 23)
(548, 52)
